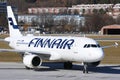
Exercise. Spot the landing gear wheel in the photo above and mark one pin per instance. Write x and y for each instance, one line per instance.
(85, 69)
(68, 65)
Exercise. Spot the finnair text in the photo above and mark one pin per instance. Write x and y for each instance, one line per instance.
(51, 43)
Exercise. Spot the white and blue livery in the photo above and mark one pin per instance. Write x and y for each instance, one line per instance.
(35, 49)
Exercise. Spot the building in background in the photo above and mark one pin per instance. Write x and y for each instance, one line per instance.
(89, 8)
(51, 10)
(3, 4)
(110, 30)
(111, 9)
(28, 18)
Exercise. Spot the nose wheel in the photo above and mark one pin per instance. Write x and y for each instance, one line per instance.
(85, 68)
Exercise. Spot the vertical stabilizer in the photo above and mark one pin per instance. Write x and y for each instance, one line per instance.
(13, 27)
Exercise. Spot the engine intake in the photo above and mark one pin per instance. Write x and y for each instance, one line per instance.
(32, 61)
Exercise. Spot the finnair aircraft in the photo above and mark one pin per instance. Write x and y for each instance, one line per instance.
(35, 49)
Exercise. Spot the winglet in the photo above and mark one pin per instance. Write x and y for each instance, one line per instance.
(116, 44)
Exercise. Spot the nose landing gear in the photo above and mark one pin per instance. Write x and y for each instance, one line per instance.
(85, 68)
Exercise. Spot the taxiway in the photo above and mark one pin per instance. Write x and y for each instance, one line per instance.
(55, 71)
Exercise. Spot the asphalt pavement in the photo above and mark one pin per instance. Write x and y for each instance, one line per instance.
(55, 71)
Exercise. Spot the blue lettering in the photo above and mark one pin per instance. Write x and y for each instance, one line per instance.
(37, 42)
(41, 42)
(56, 43)
(61, 45)
(68, 44)
(51, 43)
(33, 42)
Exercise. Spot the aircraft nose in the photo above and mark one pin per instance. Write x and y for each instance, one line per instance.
(98, 55)
(94, 55)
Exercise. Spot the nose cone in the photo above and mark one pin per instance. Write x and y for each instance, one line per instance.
(94, 55)
(98, 55)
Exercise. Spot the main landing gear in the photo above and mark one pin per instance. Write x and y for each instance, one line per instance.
(68, 65)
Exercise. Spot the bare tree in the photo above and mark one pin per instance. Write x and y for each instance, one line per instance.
(3, 20)
(118, 20)
(108, 20)
(43, 21)
(96, 21)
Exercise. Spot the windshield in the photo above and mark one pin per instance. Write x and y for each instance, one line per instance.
(91, 46)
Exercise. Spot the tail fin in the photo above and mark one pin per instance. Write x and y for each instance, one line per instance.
(13, 27)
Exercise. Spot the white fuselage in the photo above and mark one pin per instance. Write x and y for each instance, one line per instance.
(80, 49)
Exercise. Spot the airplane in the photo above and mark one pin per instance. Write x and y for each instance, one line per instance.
(35, 49)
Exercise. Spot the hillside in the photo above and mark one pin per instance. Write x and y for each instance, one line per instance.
(23, 5)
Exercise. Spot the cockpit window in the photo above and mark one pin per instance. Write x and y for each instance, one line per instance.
(88, 45)
(91, 46)
(98, 45)
(85, 45)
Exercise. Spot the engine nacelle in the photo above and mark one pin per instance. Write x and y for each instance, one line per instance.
(94, 64)
(32, 61)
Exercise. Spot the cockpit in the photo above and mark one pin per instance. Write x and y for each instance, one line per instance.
(91, 46)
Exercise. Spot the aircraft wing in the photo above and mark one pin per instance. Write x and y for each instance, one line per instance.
(8, 50)
(2, 39)
(45, 55)
(22, 51)
(114, 45)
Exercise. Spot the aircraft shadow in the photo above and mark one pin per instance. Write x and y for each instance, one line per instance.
(106, 69)
(56, 66)
(100, 69)
(6, 68)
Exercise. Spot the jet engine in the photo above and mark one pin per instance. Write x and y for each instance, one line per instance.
(32, 61)
(94, 64)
